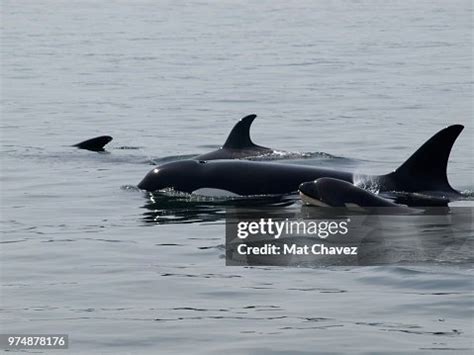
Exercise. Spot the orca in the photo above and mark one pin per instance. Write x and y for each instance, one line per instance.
(238, 144)
(330, 192)
(94, 144)
(424, 171)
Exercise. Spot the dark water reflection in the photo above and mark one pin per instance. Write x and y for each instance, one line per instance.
(384, 236)
(435, 235)
(163, 208)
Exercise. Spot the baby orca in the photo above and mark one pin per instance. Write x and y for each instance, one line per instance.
(330, 192)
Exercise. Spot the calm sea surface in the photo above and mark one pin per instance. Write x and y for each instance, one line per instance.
(85, 253)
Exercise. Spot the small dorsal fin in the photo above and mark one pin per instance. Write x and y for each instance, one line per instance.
(239, 137)
(94, 144)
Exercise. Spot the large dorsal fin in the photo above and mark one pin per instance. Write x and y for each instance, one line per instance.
(426, 169)
(239, 137)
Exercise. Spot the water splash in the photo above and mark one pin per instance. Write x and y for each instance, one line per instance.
(368, 183)
(468, 193)
(284, 155)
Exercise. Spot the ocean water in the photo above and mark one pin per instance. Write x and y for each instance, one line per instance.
(85, 253)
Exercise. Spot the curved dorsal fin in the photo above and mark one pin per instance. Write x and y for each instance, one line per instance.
(94, 144)
(239, 137)
(426, 168)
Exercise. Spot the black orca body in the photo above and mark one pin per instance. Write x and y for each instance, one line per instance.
(94, 144)
(239, 177)
(425, 170)
(330, 192)
(238, 144)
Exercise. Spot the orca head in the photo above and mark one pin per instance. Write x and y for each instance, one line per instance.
(327, 192)
(182, 175)
(312, 194)
(330, 192)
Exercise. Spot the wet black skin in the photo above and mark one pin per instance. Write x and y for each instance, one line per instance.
(424, 171)
(94, 144)
(238, 144)
(338, 193)
(237, 176)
